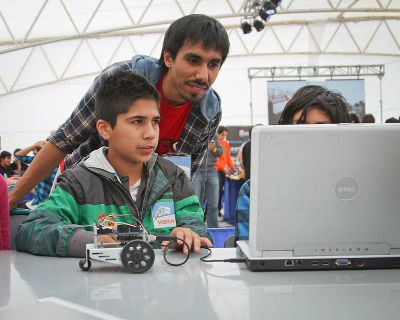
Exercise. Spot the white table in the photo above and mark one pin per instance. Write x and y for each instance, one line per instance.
(33, 287)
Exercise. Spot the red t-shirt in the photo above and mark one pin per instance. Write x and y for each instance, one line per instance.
(173, 119)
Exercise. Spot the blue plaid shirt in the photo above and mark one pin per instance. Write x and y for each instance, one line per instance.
(42, 190)
(78, 135)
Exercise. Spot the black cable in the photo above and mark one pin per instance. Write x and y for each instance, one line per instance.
(231, 260)
(171, 245)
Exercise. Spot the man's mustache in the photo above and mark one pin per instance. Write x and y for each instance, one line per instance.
(199, 83)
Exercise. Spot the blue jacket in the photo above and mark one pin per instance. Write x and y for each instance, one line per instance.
(78, 135)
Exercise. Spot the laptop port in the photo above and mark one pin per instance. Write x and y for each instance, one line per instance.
(360, 263)
(343, 262)
(298, 261)
(289, 263)
(314, 263)
(325, 263)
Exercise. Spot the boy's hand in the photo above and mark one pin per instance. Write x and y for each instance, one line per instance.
(104, 238)
(192, 239)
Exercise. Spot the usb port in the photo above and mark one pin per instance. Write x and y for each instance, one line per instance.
(314, 263)
(325, 263)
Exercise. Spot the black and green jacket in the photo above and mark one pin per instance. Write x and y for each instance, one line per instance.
(92, 188)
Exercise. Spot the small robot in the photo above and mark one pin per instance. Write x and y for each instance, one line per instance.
(132, 250)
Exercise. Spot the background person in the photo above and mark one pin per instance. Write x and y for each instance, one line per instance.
(224, 164)
(354, 118)
(205, 182)
(43, 189)
(4, 216)
(6, 169)
(368, 118)
(309, 105)
(244, 155)
(194, 49)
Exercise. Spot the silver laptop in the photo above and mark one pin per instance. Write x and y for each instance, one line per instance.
(324, 197)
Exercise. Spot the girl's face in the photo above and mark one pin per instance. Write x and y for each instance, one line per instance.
(313, 116)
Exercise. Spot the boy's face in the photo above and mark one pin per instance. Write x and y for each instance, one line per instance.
(223, 135)
(6, 161)
(191, 73)
(313, 116)
(135, 134)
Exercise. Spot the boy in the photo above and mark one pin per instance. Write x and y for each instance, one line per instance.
(194, 49)
(309, 105)
(127, 178)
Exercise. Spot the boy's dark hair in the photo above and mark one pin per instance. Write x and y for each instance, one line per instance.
(368, 118)
(312, 96)
(392, 120)
(193, 29)
(118, 92)
(354, 118)
(5, 154)
(221, 129)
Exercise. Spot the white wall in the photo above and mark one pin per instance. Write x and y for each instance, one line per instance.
(30, 115)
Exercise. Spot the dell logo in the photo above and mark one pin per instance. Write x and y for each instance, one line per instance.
(346, 189)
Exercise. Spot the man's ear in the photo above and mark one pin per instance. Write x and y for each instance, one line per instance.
(104, 129)
(167, 59)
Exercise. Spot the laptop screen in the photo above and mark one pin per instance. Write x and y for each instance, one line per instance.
(336, 185)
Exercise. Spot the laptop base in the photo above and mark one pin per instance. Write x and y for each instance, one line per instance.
(317, 263)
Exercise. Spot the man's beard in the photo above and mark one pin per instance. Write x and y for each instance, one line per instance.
(194, 97)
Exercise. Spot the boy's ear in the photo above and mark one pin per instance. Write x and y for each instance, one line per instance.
(104, 129)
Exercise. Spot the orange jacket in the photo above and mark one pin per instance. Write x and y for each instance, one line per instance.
(225, 159)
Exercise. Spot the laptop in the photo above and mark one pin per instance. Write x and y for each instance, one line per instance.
(324, 197)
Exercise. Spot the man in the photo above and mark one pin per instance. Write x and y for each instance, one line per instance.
(224, 164)
(6, 169)
(126, 180)
(194, 49)
(5, 162)
(205, 182)
(42, 190)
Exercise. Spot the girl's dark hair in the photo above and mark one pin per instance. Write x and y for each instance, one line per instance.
(118, 92)
(313, 96)
(193, 29)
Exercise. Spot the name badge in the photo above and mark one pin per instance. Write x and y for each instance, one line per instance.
(163, 214)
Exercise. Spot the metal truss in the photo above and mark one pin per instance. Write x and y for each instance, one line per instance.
(329, 72)
(349, 27)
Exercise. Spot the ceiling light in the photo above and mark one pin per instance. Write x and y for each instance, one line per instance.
(276, 2)
(258, 25)
(246, 27)
(269, 8)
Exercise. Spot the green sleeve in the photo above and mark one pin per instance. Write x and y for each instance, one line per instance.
(189, 214)
(48, 228)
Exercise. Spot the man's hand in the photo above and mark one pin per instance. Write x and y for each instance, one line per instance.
(193, 240)
(38, 145)
(212, 145)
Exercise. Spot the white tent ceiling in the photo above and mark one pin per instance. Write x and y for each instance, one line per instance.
(100, 32)
(50, 51)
